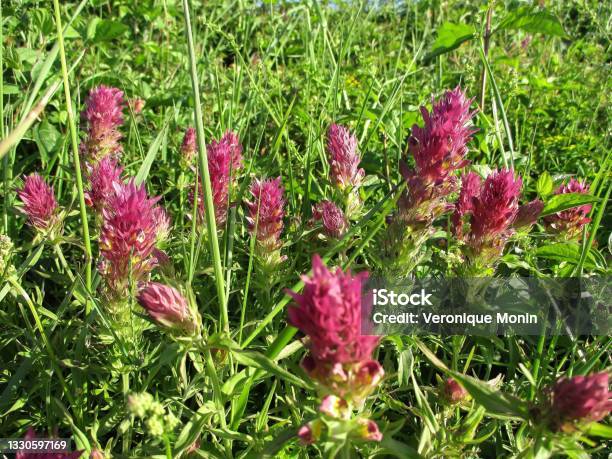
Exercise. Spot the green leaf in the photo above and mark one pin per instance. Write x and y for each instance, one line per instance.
(260, 361)
(398, 449)
(145, 167)
(48, 139)
(545, 184)
(450, 37)
(533, 21)
(100, 30)
(497, 403)
(565, 251)
(560, 202)
(596, 429)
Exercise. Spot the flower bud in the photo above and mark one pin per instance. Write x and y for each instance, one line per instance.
(453, 392)
(168, 307)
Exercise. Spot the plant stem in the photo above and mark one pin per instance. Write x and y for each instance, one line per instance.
(75, 150)
(487, 41)
(203, 160)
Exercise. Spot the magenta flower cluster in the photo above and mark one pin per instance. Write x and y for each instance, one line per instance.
(39, 203)
(343, 158)
(331, 217)
(130, 229)
(438, 149)
(189, 146)
(168, 307)
(266, 212)
(103, 115)
(580, 399)
(224, 162)
(329, 311)
(103, 179)
(486, 213)
(569, 223)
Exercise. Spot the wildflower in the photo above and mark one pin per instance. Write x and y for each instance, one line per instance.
(97, 454)
(581, 398)
(31, 435)
(224, 160)
(330, 312)
(368, 430)
(334, 407)
(528, 214)
(470, 187)
(343, 157)
(332, 217)
(439, 147)
(310, 433)
(39, 203)
(266, 213)
(163, 223)
(128, 237)
(136, 104)
(496, 207)
(189, 147)
(103, 177)
(168, 307)
(569, 223)
(452, 391)
(104, 115)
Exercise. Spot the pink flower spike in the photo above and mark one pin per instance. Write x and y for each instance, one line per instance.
(102, 179)
(343, 157)
(329, 311)
(581, 398)
(189, 146)
(470, 188)
(440, 146)
(334, 222)
(39, 203)
(495, 209)
(128, 236)
(528, 214)
(266, 212)
(167, 306)
(104, 115)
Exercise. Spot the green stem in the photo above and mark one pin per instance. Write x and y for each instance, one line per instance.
(75, 150)
(203, 160)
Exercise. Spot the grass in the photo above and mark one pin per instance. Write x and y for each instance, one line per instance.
(279, 73)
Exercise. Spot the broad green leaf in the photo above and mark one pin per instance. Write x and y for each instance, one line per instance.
(450, 37)
(561, 202)
(101, 30)
(565, 251)
(596, 429)
(533, 21)
(260, 361)
(545, 184)
(145, 167)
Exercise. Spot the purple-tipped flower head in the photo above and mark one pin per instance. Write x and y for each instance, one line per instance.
(497, 205)
(528, 214)
(189, 147)
(32, 436)
(569, 223)
(329, 311)
(102, 180)
(224, 162)
(439, 147)
(580, 399)
(331, 216)
(343, 157)
(266, 212)
(452, 391)
(129, 233)
(39, 203)
(168, 307)
(104, 115)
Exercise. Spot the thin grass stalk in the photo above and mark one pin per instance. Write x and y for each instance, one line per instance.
(594, 227)
(5, 160)
(203, 160)
(498, 98)
(75, 149)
